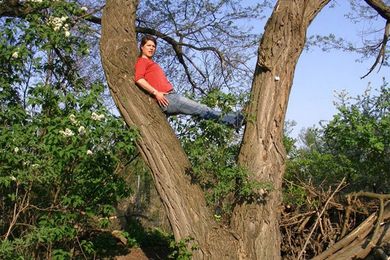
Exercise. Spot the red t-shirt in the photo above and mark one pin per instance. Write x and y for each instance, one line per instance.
(152, 73)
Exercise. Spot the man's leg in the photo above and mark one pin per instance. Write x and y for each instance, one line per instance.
(179, 104)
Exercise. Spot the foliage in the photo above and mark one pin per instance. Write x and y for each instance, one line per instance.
(212, 149)
(354, 145)
(59, 170)
(361, 133)
(61, 150)
(182, 249)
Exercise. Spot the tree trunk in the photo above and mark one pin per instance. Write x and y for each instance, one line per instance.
(184, 201)
(262, 152)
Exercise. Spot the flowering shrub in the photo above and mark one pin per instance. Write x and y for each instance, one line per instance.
(58, 172)
(61, 150)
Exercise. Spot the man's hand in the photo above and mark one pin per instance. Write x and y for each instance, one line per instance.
(160, 96)
(161, 99)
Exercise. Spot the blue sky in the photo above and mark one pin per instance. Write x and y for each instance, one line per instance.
(319, 74)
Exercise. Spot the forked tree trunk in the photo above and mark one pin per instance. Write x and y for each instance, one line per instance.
(184, 201)
(262, 151)
(255, 230)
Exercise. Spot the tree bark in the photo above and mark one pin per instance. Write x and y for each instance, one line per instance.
(262, 152)
(184, 201)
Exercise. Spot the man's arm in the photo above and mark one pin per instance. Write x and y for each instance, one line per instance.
(160, 96)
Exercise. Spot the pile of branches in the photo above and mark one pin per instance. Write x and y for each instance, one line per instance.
(334, 225)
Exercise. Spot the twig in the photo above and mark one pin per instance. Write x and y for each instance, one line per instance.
(319, 218)
(81, 247)
(24, 204)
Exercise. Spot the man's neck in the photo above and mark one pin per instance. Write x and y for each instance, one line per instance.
(146, 57)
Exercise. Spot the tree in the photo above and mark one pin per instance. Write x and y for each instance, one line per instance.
(262, 152)
(353, 145)
(254, 229)
(254, 223)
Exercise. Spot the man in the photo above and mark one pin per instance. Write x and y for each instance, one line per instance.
(150, 77)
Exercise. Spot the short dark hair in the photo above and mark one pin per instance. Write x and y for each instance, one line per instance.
(146, 38)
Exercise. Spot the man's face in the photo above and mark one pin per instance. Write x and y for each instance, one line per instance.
(148, 49)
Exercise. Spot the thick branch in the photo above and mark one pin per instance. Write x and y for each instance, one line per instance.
(13, 8)
(262, 152)
(379, 6)
(184, 202)
(362, 239)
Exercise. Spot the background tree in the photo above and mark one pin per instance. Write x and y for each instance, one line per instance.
(353, 145)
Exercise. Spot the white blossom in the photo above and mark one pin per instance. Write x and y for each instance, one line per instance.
(35, 1)
(12, 178)
(89, 152)
(15, 55)
(67, 33)
(94, 116)
(97, 117)
(16, 149)
(58, 22)
(26, 163)
(67, 132)
(35, 165)
(84, 9)
(82, 130)
(72, 119)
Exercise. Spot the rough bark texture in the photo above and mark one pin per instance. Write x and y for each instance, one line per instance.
(262, 151)
(183, 201)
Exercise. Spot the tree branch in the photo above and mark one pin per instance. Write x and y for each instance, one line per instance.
(14, 8)
(381, 55)
(384, 11)
(177, 47)
(379, 6)
(319, 217)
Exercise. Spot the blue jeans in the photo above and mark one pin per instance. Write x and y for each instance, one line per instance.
(179, 104)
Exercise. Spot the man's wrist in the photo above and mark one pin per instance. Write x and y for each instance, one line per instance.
(154, 92)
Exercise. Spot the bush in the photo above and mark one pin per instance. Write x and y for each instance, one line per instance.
(59, 172)
(354, 144)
